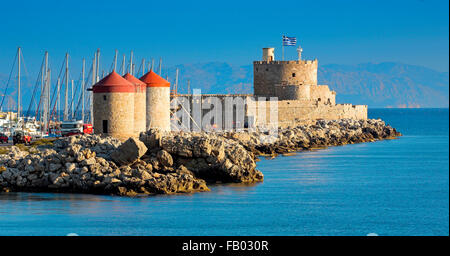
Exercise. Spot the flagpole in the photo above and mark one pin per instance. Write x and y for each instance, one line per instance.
(282, 48)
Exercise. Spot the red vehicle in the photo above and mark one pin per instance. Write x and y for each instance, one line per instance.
(69, 128)
(3, 138)
(87, 129)
(21, 138)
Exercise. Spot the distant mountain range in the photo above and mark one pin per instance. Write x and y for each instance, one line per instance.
(386, 84)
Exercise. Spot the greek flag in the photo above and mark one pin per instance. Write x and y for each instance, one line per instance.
(289, 41)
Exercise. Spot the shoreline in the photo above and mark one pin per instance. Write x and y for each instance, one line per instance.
(169, 162)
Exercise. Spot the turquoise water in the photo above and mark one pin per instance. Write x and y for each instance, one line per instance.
(394, 187)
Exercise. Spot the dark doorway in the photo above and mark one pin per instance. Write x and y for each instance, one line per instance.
(105, 126)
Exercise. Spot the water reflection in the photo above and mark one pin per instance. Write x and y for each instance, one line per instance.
(23, 196)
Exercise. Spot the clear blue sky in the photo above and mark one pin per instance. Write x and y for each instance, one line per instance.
(340, 31)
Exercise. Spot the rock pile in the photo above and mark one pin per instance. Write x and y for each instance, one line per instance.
(320, 134)
(212, 157)
(91, 164)
(167, 162)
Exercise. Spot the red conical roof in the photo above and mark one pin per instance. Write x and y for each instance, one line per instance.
(151, 79)
(132, 79)
(113, 83)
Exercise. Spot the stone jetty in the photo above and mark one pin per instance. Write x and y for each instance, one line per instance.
(168, 162)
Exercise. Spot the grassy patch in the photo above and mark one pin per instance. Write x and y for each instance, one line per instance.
(4, 150)
(42, 142)
(22, 147)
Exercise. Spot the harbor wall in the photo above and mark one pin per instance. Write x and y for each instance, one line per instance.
(289, 112)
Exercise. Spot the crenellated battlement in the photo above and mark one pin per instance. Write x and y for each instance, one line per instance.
(286, 62)
(267, 74)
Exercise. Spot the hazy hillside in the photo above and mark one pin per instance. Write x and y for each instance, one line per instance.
(377, 85)
(387, 85)
(214, 77)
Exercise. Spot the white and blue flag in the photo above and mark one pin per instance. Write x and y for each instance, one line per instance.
(289, 41)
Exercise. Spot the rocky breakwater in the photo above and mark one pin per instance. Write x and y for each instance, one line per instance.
(162, 163)
(168, 162)
(209, 156)
(318, 134)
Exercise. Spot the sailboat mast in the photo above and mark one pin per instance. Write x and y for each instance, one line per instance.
(160, 65)
(82, 91)
(98, 64)
(46, 111)
(58, 102)
(94, 65)
(131, 63)
(66, 92)
(143, 66)
(91, 113)
(18, 84)
(115, 61)
(123, 65)
(47, 83)
(71, 101)
(43, 71)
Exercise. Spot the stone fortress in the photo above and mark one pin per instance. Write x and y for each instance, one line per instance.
(125, 106)
(294, 84)
(300, 97)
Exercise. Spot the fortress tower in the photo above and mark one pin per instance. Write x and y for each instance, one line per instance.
(287, 80)
(113, 106)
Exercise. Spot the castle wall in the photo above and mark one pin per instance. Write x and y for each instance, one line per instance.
(268, 74)
(118, 110)
(290, 112)
(323, 94)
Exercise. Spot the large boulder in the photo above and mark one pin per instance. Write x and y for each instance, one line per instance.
(130, 151)
(164, 158)
(213, 157)
(152, 138)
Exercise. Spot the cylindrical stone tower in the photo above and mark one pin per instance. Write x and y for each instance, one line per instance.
(158, 101)
(113, 107)
(293, 92)
(139, 103)
(268, 74)
(268, 54)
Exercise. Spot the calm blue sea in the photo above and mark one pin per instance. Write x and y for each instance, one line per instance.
(394, 187)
